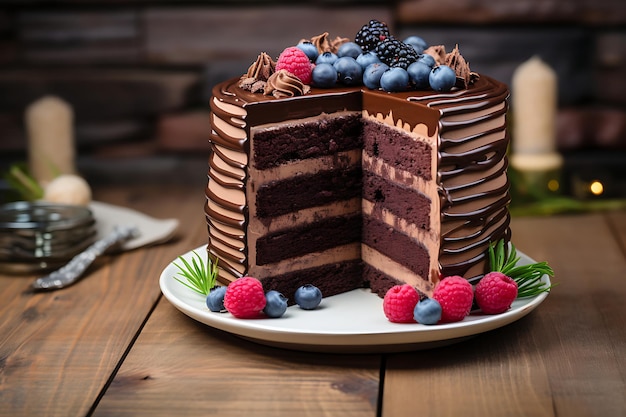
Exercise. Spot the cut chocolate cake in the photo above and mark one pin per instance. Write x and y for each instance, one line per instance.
(349, 187)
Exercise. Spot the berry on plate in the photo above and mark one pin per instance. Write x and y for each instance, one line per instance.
(245, 298)
(455, 294)
(399, 303)
(427, 311)
(276, 304)
(308, 297)
(215, 299)
(495, 293)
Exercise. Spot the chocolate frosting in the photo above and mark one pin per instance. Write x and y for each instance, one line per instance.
(471, 216)
(284, 84)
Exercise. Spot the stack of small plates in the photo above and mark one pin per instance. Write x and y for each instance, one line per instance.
(37, 236)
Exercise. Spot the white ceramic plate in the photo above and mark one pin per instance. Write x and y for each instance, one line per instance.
(352, 322)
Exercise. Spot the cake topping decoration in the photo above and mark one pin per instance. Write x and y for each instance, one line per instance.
(371, 34)
(438, 52)
(323, 44)
(456, 61)
(294, 60)
(375, 59)
(258, 73)
(284, 84)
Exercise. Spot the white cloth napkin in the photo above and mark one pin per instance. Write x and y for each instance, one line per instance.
(152, 231)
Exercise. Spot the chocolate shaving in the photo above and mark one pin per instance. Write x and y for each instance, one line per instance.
(252, 85)
(323, 44)
(438, 52)
(456, 61)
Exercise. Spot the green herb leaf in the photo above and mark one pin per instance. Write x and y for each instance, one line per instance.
(200, 277)
(23, 182)
(527, 277)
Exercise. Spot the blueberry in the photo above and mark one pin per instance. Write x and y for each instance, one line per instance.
(427, 59)
(350, 49)
(395, 79)
(419, 74)
(215, 299)
(427, 311)
(417, 43)
(276, 304)
(372, 74)
(326, 58)
(442, 78)
(324, 76)
(309, 49)
(366, 59)
(349, 72)
(308, 297)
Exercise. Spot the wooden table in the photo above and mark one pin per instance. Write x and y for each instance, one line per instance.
(112, 345)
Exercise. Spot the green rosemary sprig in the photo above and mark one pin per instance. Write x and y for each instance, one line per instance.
(20, 180)
(527, 277)
(201, 277)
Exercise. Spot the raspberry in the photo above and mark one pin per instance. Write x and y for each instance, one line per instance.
(495, 293)
(295, 61)
(245, 298)
(455, 295)
(399, 303)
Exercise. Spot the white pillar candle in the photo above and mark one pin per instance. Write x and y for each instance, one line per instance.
(49, 126)
(534, 102)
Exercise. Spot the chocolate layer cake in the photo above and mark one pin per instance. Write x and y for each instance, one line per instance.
(350, 187)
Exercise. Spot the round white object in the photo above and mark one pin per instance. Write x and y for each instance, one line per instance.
(68, 189)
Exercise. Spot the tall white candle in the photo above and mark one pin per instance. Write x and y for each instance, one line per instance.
(49, 126)
(534, 102)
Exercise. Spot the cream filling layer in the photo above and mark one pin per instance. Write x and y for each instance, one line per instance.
(337, 254)
(310, 166)
(389, 267)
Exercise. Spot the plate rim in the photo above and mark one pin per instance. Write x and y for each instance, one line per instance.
(399, 337)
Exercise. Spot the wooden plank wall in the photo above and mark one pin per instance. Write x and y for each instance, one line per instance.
(139, 72)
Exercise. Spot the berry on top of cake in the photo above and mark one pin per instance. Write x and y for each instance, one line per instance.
(350, 60)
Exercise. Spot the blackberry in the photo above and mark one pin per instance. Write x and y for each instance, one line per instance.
(396, 53)
(371, 35)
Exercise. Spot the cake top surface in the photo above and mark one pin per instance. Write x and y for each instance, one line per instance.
(483, 93)
(483, 88)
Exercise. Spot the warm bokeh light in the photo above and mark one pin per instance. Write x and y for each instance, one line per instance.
(553, 185)
(596, 188)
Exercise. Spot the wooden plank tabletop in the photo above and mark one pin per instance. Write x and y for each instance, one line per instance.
(112, 345)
